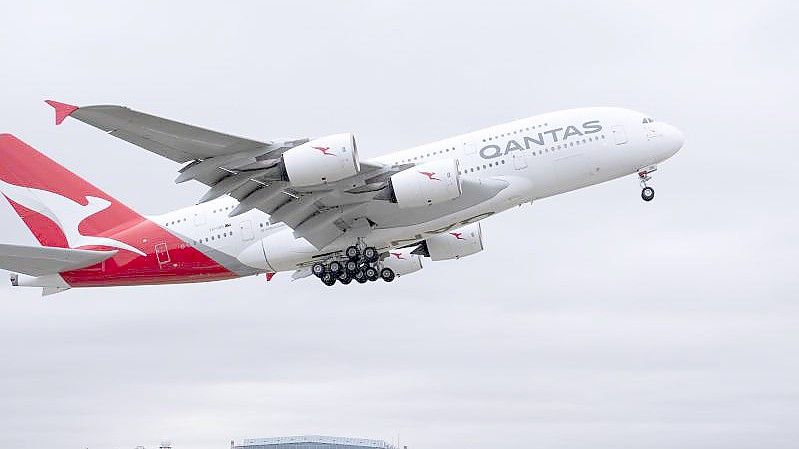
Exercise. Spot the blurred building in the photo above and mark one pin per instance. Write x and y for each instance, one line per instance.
(310, 442)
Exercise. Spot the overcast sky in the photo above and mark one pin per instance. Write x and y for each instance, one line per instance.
(592, 319)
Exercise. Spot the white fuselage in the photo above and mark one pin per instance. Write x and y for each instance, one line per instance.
(539, 156)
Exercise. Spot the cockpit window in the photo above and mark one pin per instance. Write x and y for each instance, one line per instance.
(648, 120)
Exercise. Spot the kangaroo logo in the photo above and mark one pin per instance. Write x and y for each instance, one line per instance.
(65, 213)
(457, 235)
(324, 151)
(398, 255)
(430, 175)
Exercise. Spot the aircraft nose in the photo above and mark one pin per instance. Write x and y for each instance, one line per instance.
(673, 139)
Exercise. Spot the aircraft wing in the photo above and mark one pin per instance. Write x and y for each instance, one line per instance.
(173, 140)
(253, 172)
(42, 260)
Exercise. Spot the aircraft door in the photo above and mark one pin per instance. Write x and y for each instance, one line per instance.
(245, 227)
(199, 218)
(519, 160)
(467, 147)
(619, 134)
(162, 253)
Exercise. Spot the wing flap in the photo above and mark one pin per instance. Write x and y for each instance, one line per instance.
(322, 236)
(43, 260)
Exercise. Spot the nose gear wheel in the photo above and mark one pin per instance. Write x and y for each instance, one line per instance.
(647, 193)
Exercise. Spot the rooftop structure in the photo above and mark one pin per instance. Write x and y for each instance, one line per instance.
(311, 442)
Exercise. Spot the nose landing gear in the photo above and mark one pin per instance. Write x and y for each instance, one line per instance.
(647, 193)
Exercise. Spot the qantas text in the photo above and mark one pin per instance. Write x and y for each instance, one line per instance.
(542, 138)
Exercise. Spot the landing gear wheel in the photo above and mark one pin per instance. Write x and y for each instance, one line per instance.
(351, 266)
(344, 277)
(335, 268)
(371, 273)
(370, 254)
(648, 193)
(318, 269)
(360, 276)
(387, 274)
(352, 252)
(328, 279)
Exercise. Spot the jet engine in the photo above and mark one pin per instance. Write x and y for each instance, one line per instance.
(321, 161)
(455, 244)
(403, 261)
(426, 184)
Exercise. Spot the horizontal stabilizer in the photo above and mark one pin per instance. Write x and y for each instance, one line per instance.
(44, 260)
(47, 291)
(301, 273)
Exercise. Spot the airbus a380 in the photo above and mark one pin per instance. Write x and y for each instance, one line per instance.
(311, 206)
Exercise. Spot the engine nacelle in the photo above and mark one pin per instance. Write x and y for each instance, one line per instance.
(321, 161)
(426, 184)
(402, 262)
(455, 244)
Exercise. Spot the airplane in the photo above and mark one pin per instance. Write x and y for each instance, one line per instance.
(310, 206)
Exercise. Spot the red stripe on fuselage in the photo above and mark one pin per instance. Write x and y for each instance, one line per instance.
(179, 262)
(168, 260)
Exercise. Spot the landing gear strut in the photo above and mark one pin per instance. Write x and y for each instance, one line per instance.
(360, 264)
(647, 193)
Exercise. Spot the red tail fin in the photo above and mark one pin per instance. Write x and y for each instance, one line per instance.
(62, 110)
(58, 206)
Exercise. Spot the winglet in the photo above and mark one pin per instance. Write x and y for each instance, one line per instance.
(62, 110)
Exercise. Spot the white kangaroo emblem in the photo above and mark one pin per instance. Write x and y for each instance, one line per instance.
(65, 213)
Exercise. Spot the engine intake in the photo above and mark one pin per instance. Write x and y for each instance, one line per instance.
(403, 261)
(321, 161)
(426, 184)
(461, 242)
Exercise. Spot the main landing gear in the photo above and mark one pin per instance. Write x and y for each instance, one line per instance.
(362, 266)
(647, 193)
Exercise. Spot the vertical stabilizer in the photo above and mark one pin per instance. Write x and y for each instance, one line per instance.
(59, 207)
